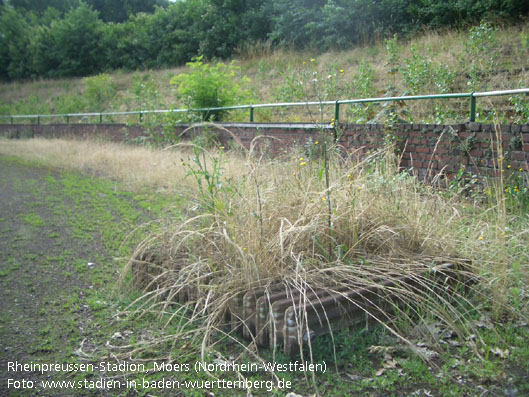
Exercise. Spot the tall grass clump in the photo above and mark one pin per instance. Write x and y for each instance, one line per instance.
(320, 219)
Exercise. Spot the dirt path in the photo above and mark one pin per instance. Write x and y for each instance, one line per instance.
(58, 234)
(37, 274)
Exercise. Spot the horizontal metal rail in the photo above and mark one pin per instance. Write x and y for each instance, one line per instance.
(471, 95)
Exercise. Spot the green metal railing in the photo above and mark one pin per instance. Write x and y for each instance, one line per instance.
(472, 96)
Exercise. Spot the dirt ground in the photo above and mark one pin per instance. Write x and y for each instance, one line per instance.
(59, 234)
(37, 274)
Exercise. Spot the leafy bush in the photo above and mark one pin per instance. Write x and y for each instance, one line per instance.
(362, 87)
(482, 55)
(146, 95)
(70, 46)
(99, 90)
(210, 86)
(420, 73)
(69, 103)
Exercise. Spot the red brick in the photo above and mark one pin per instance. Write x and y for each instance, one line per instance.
(515, 165)
(518, 156)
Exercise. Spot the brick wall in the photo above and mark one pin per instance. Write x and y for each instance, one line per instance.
(427, 149)
(112, 132)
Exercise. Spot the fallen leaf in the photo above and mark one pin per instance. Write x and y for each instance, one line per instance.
(390, 364)
(499, 352)
(380, 371)
(427, 352)
(353, 377)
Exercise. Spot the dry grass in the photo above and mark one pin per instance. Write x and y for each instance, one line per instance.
(273, 227)
(277, 222)
(137, 166)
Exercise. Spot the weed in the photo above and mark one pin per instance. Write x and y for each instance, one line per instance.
(421, 74)
(362, 86)
(34, 220)
(210, 181)
(393, 54)
(520, 106)
(274, 227)
(482, 55)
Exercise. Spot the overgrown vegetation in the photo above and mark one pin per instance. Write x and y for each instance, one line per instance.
(58, 38)
(254, 221)
(318, 217)
(210, 86)
(494, 59)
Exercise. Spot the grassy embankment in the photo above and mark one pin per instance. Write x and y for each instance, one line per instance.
(482, 59)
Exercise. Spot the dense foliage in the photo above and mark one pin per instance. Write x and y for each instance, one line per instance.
(53, 38)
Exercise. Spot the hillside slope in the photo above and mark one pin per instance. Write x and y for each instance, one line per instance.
(482, 58)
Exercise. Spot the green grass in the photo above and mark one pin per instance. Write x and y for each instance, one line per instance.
(34, 220)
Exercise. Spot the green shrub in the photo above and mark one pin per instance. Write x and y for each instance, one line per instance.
(99, 90)
(209, 86)
(482, 55)
(69, 103)
(362, 87)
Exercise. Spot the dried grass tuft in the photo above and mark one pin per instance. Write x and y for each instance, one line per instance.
(274, 230)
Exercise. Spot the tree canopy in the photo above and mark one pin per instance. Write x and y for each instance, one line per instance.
(53, 38)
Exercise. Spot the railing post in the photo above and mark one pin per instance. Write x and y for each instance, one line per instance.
(38, 120)
(251, 113)
(472, 107)
(12, 120)
(141, 117)
(67, 119)
(336, 112)
(100, 118)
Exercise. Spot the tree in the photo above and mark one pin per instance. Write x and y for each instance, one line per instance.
(15, 56)
(210, 86)
(70, 46)
(120, 10)
(40, 6)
